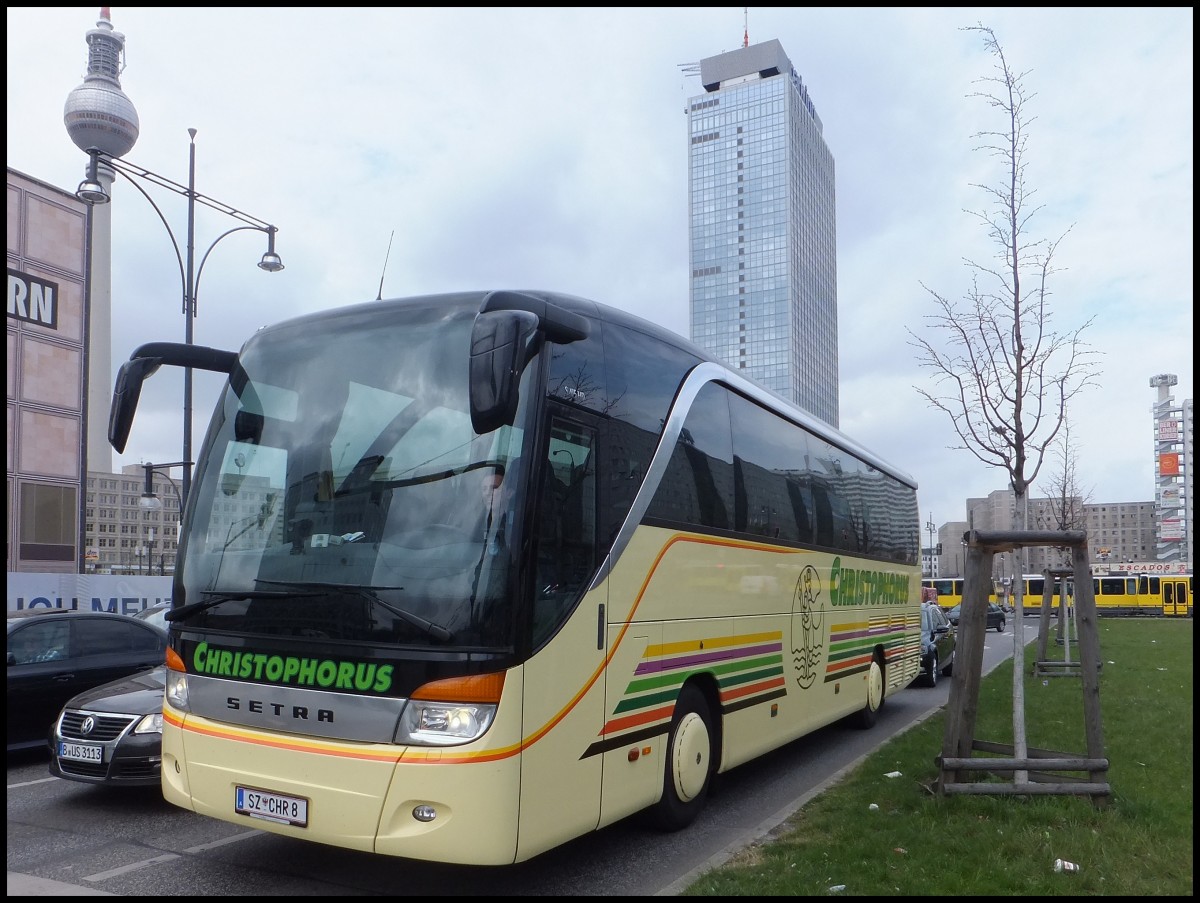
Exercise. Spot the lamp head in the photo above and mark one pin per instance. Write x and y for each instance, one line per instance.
(271, 261)
(90, 191)
(149, 501)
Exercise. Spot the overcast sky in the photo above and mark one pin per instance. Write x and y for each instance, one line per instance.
(547, 149)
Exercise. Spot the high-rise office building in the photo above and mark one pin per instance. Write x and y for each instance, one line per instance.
(1173, 459)
(763, 227)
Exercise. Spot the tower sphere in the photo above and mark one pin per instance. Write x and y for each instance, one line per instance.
(98, 113)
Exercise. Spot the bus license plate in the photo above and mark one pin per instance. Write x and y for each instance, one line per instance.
(80, 752)
(287, 810)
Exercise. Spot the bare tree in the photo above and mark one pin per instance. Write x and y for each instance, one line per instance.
(1065, 497)
(1001, 372)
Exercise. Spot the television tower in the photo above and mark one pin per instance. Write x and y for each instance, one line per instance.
(98, 114)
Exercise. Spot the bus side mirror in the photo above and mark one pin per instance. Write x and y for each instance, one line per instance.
(501, 346)
(141, 364)
(126, 392)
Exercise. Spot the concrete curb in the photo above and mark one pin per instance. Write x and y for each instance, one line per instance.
(20, 885)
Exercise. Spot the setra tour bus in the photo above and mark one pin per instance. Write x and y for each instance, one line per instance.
(462, 577)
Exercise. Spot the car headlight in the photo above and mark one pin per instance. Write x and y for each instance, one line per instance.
(150, 724)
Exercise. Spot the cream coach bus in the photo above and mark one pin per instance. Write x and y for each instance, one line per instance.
(463, 577)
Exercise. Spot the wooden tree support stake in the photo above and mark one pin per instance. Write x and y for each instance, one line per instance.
(1032, 771)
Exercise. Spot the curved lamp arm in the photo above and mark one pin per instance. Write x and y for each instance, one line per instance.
(170, 232)
(200, 269)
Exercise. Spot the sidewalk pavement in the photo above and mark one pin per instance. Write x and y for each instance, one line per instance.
(32, 886)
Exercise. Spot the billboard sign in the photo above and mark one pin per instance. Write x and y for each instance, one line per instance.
(1170, 528)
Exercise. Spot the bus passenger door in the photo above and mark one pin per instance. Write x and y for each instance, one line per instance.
(564, 679)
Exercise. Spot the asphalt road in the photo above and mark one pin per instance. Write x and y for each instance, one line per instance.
(66, 838)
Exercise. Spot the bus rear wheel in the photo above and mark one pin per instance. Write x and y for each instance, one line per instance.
(689, 762)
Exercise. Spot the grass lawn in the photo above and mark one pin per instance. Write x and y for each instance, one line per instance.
(873, 835)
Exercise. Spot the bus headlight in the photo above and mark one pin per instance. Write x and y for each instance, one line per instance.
(426, 723)
(177, 691)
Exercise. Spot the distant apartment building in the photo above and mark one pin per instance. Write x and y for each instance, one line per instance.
(762, 227)
(123, 535)
(1119, 533)
(130, 532)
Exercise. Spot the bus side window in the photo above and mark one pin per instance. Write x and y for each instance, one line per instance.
(566, 525)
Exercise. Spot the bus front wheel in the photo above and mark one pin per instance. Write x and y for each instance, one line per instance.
(689, 762)
(869, 713)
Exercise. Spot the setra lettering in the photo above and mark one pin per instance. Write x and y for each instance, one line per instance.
(279, 709)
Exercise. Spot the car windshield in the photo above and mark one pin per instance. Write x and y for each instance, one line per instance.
(155, 615)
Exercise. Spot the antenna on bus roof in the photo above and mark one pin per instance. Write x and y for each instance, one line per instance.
(379, 295)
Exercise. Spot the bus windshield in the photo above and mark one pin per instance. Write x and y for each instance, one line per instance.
(344, 496)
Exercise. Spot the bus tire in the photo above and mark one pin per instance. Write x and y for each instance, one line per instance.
(689, 762)
(869, 713)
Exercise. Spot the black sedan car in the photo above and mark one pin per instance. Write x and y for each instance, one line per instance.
(937, 644)
(995, 616)
(54, 654)
(112, 734)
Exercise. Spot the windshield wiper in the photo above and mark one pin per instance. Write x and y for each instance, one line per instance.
(437, 631)
(218, 597)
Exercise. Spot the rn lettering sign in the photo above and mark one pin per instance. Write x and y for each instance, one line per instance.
(32, 300)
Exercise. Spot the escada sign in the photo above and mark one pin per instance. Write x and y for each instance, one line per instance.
(32, 300)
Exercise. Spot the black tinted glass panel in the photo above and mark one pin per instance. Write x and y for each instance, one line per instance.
(773, 480)
(643, 377)
(577, 372)
(698, 485)
(105, 637)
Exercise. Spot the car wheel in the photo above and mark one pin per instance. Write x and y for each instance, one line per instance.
(1000, 626)
(689, 765)
(931, 673)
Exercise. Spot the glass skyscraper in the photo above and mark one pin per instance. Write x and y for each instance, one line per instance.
(763, 228)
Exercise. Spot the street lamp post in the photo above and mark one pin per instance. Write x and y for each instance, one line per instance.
(929, 525)
(92, 191)
(151, 502)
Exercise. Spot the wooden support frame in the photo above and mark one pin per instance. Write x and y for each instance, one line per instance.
(1044, 666)
(1034, 771)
